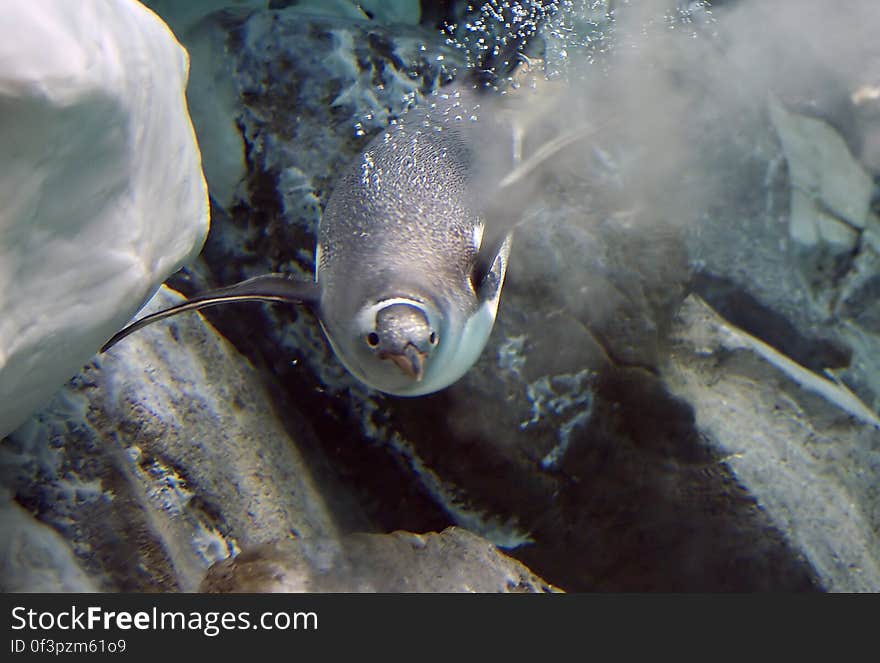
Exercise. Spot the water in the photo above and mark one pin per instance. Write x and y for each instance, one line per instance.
(615, 434)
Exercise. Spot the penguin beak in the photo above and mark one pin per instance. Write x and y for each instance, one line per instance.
(411, 362)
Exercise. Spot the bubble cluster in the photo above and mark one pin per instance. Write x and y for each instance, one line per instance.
(494, 34)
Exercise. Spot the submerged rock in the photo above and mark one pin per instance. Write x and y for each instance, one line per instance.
(450, 561)
(808, 450)
(103, 191)
(166, 455)
(36, 558)
(830, 197)
(794, 228)
(820, 223)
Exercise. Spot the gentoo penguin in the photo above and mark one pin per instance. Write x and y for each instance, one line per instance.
(405, 287)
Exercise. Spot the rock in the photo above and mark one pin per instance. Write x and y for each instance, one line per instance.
(832, 229)
(213, 33)
(866, 99)
(35, 558)
(214, 97)
(166, 455)
(821, 166)
(805, 446)
(103, 192)
(213, 102)
(183, 16)
(493, 35)
(406, 12)
(830, 197)
(804, 250)
(452, 561)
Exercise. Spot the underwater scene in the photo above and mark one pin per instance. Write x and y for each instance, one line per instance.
(440, 296)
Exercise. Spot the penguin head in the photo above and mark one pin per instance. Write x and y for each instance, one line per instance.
(400, 334)
(393, 344)
(420, 335)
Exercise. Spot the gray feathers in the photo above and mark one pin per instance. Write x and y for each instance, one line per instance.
(406, 195)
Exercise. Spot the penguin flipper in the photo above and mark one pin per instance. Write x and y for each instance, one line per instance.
(543, 154)
(265, 288)
(490, 268)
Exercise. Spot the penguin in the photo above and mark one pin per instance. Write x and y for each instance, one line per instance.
(406, 287)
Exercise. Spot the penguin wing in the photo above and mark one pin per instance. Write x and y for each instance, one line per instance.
(266, 288)
(527, 166)
(490, 268)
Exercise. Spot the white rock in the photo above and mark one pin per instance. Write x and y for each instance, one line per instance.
(102, 188)
(805, 448)
(821, 166)
(35, 558)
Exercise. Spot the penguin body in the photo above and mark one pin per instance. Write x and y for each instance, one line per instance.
(405, 290)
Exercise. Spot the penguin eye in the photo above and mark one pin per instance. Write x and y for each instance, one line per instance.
(372, 339)
(432, 339)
